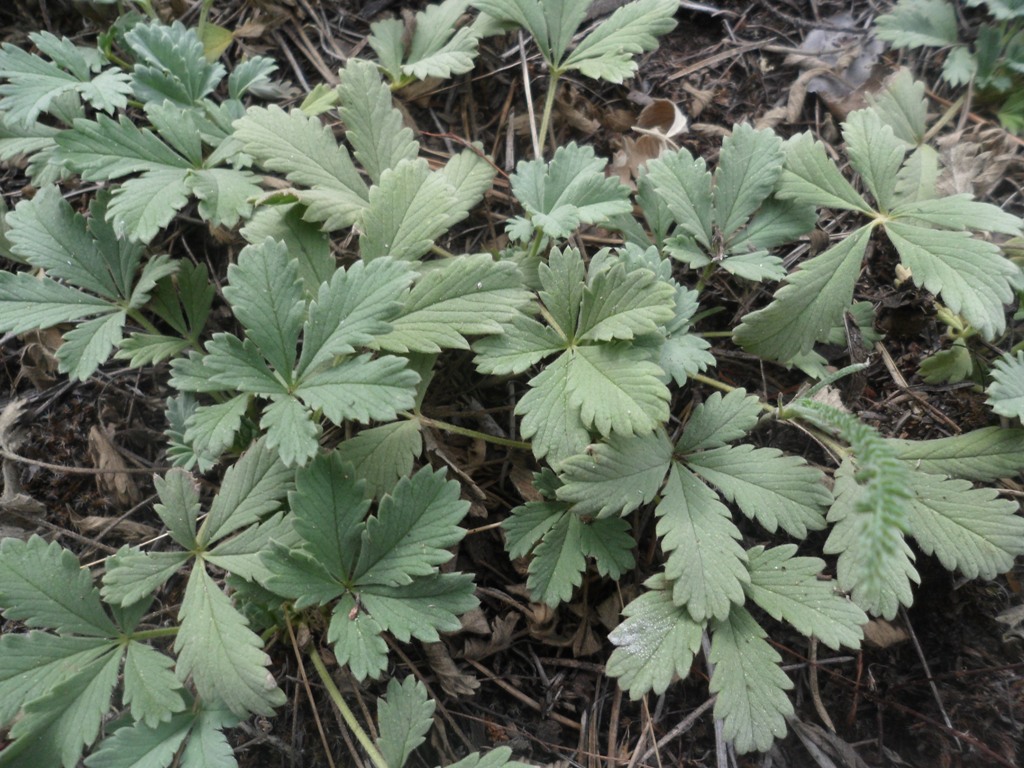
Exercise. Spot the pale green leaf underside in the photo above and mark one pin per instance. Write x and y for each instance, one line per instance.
(719, 420)
(655, 643)
(809, 176)
(1006, 392)
(403, 717)
(550, 421)
(748, 167)
(983, 455)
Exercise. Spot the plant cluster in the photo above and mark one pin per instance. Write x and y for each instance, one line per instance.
(309, 396)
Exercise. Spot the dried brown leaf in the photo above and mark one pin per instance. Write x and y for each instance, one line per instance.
(105, 456)
(453, 681)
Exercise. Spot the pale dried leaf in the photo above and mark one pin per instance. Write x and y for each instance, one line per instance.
(501, 633)
(879, 633)
(453, 681)
(105, 456)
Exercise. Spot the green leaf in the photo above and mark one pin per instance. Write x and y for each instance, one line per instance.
(104, 149)
(616, 477)
(903, 107)
(915, 23)
(139, 746)
(352, 309)
(329, 506)
(239, 365)
(252, 488)
(357, 640)
(751, 687)
(496, 758)
(983, 455)
(412, 531)
(620, 306)
(305, 150)
(950, 366)
(28, 303)
(607, 52)
(45, 586)
(150, 687)
(775, 223)
(470, 295)
(958, 212)
(383, 455)
(524, 343)
(143, 206)
(409, 209)
(552, 32)
(423, 607)
(360, 388)
(240, 554)
(373, 126)
(558, 562)
(56, 726)
(706, 564)
(470, 174)
(144, 349)
(33, 663)
(179, 505)
(529, 523)
(290, 430)
(570, 190)
(788, 587)
(224, 194)
(876, 153)
(684, 184)
(89, 345)
(776, 490)
(656, 642)
(306, 244)
(968, 529)
(563, 281)
(552, 424)
(219, 651)
(748, 167)
(211, 429)
(131, 575)
(809, 305)
(208, 746)
(295, 573)
(33, 84)
(616, 389)
(404, 716)
(266, 295)
(171, 64)
(1006, 392)
(610, 543)
(809, 176)
(438, 47)
(971, 276)
(719, 420)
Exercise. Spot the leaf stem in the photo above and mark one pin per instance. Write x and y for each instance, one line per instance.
(549, 103)
(350, 719)
(457, 430)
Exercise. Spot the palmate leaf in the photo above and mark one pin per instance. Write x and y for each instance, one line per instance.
(171, 64)
(412, 531)
(788, 587)
(104, 149)
(32, 83)
(89, 345)
(223, 656)
(290, 430)
(361, 389)
(404, 716)
(876, 153)
(913, 23)
(307, 244)
(616, 477)
(150, 687)
(210, 430)
(607, 52)
(295, 573)
(706, 564)
(554, 427)
(179, 505)
(131, 575)
(558, 562)
(143, 206)
(809, 176)
(224, 194)
(552, 31)
(971, 276)
(438, 48)
(570, 190)
(470, 295)
(751, 686)
(524, 343)
(303, 149)
(684, 183)
(656, 642)
(1006, 392)
(616, 389)
(240, 555)
(609, 542)
(373, 126)
(809, 305)
(496, 758)
(44, 586)
(776, 490)
(562, 281)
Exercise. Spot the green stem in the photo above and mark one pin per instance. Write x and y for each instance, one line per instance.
(154, 634)
(549, 103)
(457, 430)
(350, 719)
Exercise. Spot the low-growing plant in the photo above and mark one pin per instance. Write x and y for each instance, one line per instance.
(317, 378)
(990, 54)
